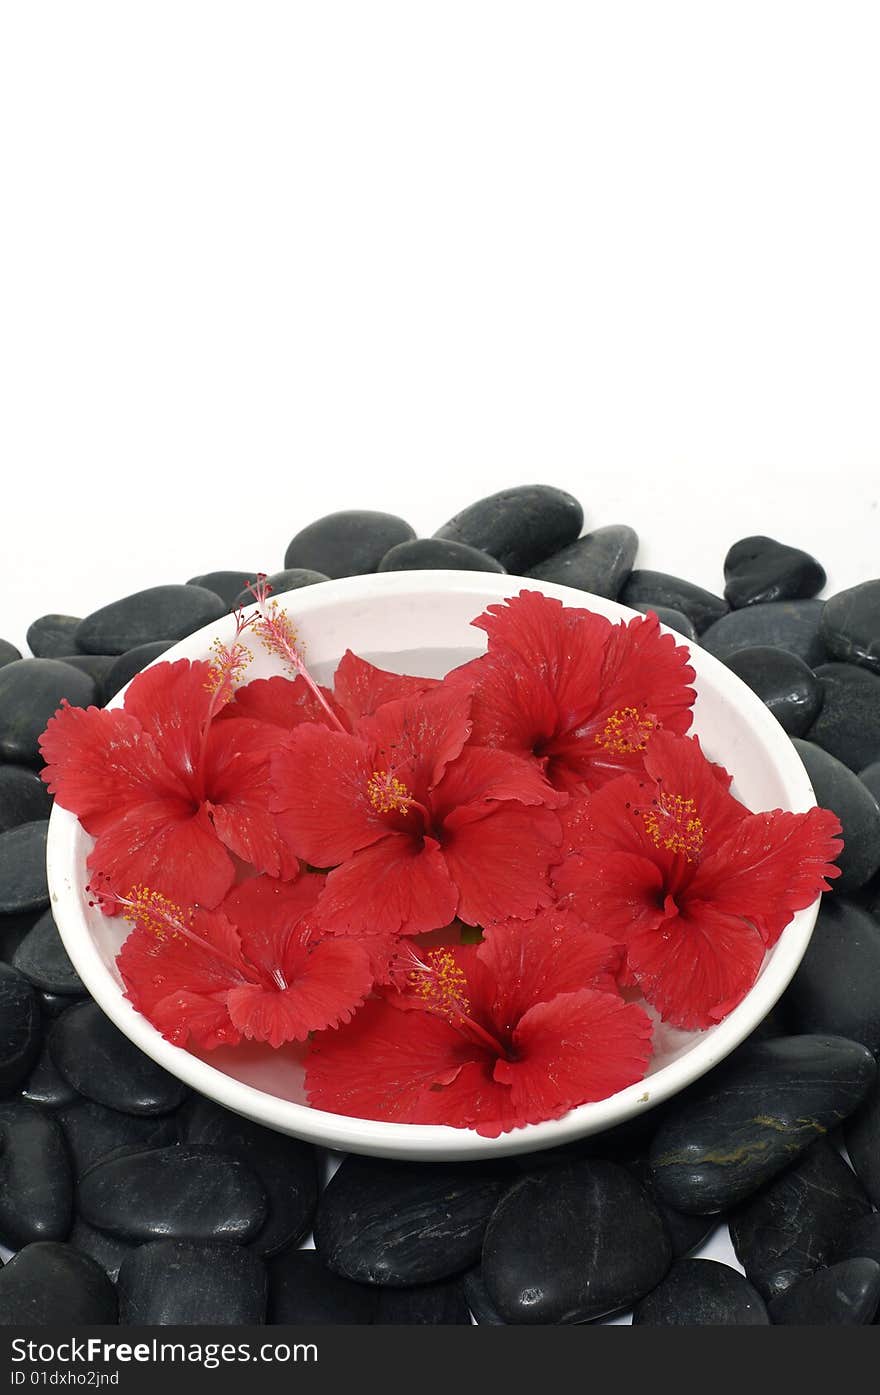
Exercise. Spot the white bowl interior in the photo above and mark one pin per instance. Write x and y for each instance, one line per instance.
(419, 622)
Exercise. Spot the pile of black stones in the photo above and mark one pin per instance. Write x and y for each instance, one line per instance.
(126, 1198)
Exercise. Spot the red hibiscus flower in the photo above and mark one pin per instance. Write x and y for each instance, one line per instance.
(693, 884)
(256, 967)
(573, 693)
(170, 794)
(519, 1029)
(417, 828)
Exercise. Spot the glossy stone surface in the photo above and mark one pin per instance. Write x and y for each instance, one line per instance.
(674, 619)
(646, 587)
(36, 1186)
(351, 542)
(228, 585)
(685, 1232)
(23, 885)
(292, 579)
(46, 1086)
(790, 1228)
(836, 986)
(862, 1134)
(789, 625)
(437, 554)
(851, 625)
(166, 613)
(478, 1300)
(395, 1223)
(53, 1284)
(759, 569)
(573, 1243)
(600, 562)
(520, 527)
(106, 1250)
(848, 725)
(844, 1295)
(24, 797)
(870, 777)
(839, 789)
(42, 958)
(20, 1029)
(754, 1116)
(94, 1132)
(31, 691)
(185, 1193)
(131, 662)
(52, 636)
(303, 1290)
(102, 1064)
(784, 684)
(429, 1305)
(173, 1282)
(702, 1293)
(8, 653)
(860, 1240)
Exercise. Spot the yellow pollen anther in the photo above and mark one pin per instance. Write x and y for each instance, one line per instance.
(154, 912)
(387, 794)
(626, 731)
(440, 983)
(672, 822)
(278, 633)
(228, 664)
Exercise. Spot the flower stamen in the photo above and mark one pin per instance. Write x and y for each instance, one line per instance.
(440, 984)
(672, 822)
(626, 731)
(387, 794)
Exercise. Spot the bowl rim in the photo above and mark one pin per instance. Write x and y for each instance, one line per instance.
(429, 1142)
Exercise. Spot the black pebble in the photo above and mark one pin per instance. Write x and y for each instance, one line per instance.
(789, 625)
(302, 1290)
(759, 570)
(755, 1116)
(573, 1243)
(105, 1066)
(848, 725)
(168, 613)
(227, 585)
(784, 684)
(600, 562)
(851, 625)
(21, 1029)
(674, 619)
(46, 1086)
(791, 1227)
(184, 1192)
(837, 986)
(94, 1132)
(31, 691)
(478, 1300)
(51, 1284)
(133, 661)
(179, 1282)
(838, 788)
(106, 1250)
(844, 1295)
(42, 958)
(293, 579)
(702, 1293)
(860, 1240)
(862, 1135)
(52, 636)
(349, 543)
(23, 884)
(97, 666)
(8, 653)
(36, 1185)
(429, 1305)
(437, 554)
(519, 527)
(685, 1232)
(23, 797)
(870, 776)
(404, 1223)
(657, 588)
(286, 1167)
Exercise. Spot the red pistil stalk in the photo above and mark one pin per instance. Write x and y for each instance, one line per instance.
(441, 985)
(155, 912)
(279, 637)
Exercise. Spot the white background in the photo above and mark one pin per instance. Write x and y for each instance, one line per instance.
(260, 261)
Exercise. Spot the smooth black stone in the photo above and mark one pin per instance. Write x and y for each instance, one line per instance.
(51, 1284)
(573, 1243)
(838, 788)
(227, 585)
(97, 666)
(8, 653)
(46, 1086)
(759, 570)
(870, 777)
(290, 580)
(702, 1293)
(36, 1184)
(862, 1134)
(173, 1282)
(674, 619)
(404, 1223)
(166, 613)
(132, 662)
(478, 1300)
(302, 1290)
(837, 986)
(51, 637)
(23, 797)
(23, 884)
(851, 625)
(94, 1132)
(13, 929)
(860, 1240)
(42, 958)
(790, 1227)
(600, 562)
(848, 726)
(349, 543)
(519, 527)
(789, 625)
(754, 1116)
(430, 1305)
(437, 554)
(185, 1192)
(286, 1167)
(53, 1004)
(657, 588)
(685, 1232)
(21, 1029)
(844, 1295)
(105, 1250)
(105, 1066)
(784, 684)
(31, 691)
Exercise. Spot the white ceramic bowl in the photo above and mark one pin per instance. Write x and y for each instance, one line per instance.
(419, 622)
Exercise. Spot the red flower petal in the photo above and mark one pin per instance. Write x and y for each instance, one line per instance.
(678, 765)
(563, 645)
(514, 707)
(165, 846)
(185, 1017)
(331, 981)
(617, 892)
(172, 703)
(499, 863)
(359, 687)
(266, 912)
(321, 781)
(648, 670)
(531, 961)
(238, 788)
(482, 776)
(414, 739)
(400, 886)
(574, 1049)
(280, 702)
